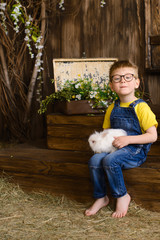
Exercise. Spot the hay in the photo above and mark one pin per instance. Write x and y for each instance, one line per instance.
(41, 216)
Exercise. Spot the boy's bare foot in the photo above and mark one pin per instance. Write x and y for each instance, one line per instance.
(97, 205)
(122, 206)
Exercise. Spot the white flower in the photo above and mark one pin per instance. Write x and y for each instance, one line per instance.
(92, 94)
(61, 4)
(40, 54)
(2, 6)
(27, 23)
(30, 19)
(38, 64)
(77, 85)
(27, 31)
(39, 39)
(78, 97)
(40, 47)
(26, 38)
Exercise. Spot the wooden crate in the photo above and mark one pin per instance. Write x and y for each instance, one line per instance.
(71, 132)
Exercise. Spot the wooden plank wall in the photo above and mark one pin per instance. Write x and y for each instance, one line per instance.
(85, 29)
(117, 30)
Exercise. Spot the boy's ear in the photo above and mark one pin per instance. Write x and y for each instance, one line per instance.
(110, 84)
(137, 83)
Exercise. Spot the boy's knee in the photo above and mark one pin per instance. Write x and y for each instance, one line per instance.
(96, 160)
(93, 162)
(108, 161)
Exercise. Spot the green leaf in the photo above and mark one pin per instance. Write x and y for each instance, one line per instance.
(34, 38)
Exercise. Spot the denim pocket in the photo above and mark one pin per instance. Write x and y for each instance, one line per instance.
(124, 123)
(135, 149)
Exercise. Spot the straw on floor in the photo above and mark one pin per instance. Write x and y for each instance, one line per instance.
(41, 216)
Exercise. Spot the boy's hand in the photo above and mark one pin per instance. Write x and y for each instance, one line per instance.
(121, 141)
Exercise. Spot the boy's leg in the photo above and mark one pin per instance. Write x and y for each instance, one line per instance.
(99, 184)
(113, 164)
(97, 175)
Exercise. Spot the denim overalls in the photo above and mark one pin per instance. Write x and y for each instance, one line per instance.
(125, 158)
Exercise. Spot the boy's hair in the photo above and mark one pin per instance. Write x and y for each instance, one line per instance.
(122, 64)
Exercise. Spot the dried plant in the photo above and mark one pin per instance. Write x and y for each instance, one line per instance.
(20, 38)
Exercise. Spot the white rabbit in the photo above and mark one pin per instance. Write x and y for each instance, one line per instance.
(102, 141)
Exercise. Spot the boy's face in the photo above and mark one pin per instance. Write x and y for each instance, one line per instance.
(124, 85)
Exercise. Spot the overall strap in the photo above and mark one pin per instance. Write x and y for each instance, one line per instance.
(117, 103)
(133, 104)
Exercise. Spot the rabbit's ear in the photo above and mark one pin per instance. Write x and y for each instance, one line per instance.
(104, 134)
(96, 133)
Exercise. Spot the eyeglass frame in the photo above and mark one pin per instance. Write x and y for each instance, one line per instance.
(133, 76)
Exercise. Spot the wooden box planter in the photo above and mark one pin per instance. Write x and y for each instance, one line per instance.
(75, 108)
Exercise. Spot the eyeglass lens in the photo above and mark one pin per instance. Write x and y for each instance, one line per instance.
(127, 77)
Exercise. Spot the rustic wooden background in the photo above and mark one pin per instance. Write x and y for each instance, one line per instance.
(115, 31)
(121, 29)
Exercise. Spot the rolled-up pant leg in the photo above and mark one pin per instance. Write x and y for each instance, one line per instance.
(98, 175)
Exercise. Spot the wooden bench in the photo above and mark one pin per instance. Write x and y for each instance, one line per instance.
(62, 168)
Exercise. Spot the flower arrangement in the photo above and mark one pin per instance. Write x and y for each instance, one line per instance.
(98, 94)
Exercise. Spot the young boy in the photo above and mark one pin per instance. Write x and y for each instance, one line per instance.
(134, 116)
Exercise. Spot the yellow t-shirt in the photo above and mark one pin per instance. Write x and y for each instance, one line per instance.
(145, 115)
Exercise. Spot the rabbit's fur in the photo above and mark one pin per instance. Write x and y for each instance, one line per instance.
(102, 141)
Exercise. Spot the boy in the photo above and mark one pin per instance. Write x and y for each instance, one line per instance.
(134, 116)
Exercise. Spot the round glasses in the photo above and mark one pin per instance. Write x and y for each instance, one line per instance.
(127, 77)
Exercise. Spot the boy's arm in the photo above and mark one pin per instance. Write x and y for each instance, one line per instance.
(149, 136)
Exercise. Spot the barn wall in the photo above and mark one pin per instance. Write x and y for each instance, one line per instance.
(112, 31)
(86, 29)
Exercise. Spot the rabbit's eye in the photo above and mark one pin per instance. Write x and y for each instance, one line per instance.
(93, 141)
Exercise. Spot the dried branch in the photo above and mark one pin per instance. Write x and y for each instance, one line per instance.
(35, 70)
(4, 66)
